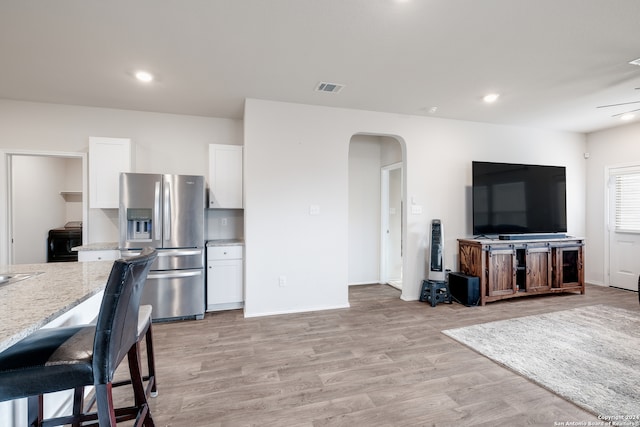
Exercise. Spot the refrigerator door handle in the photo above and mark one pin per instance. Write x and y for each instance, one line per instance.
(156, 213)
(167, 210)
(180, 252)
(174, 274)
(165, 253)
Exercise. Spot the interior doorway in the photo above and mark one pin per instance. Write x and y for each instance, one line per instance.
(375, 232)
(391, 210)
(44, 191)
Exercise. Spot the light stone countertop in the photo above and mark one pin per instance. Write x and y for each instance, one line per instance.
(53, 289)
(225, 242)
(98, 246)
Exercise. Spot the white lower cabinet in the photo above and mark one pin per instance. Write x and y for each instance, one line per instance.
(225, 277)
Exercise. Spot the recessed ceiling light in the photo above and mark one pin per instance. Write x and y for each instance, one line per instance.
(491, 97)
(144, 76)
(635, 62)
(627, 116)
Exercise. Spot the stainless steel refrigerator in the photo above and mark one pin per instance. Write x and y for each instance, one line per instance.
(166, 212)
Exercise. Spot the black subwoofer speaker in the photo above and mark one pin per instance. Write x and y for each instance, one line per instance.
(464, 289)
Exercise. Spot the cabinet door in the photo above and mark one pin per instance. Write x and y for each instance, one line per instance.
(568, 268)
(107, 158)
(224, 284)
(501, 272)
(538, 269)
(225, 176)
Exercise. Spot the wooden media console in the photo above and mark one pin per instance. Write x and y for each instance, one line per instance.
(515, 268)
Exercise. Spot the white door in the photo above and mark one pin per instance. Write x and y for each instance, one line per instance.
(392, 225)
(624, 227)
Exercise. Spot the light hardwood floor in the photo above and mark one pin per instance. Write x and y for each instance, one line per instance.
(382, 362)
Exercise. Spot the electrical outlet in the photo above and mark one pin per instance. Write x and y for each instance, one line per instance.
(223, 222)
(282, 281)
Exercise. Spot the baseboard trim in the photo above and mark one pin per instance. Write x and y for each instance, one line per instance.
(300, 310)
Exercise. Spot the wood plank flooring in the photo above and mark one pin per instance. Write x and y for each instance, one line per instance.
(382, 362)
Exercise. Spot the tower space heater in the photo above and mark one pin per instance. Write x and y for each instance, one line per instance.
(436, 256)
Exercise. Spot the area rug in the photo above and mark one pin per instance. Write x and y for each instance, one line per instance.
(590, 355)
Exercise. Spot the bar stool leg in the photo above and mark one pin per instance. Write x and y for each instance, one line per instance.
(78, 404)
(139, 392)
(35, 410)
(151, 362)
(106, 410)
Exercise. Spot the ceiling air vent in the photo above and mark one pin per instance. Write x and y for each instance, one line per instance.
(329, 87)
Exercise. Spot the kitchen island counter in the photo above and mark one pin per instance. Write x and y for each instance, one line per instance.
(42, 292)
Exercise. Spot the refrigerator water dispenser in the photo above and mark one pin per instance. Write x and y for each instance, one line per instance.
(139, 224)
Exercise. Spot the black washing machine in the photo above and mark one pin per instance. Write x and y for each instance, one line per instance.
(61, 240)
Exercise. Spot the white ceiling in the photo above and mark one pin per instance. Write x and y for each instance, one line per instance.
(552, 61)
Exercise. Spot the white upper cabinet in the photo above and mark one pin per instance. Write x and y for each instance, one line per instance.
(225, 176)
(107, 158)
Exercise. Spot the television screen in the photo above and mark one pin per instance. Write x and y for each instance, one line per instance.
(517, 198)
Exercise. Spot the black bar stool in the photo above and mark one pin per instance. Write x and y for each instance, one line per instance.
(68, 358)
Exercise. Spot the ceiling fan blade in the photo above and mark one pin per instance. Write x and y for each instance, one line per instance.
(615, 105)
(626, 112)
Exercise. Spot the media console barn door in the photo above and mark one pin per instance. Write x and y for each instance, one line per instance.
(567, 261)
(509, 269)
(537, 267)
(501, 271)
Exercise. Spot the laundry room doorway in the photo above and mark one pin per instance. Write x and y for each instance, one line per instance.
(44, 191)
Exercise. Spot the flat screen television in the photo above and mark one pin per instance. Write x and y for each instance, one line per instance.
(513, 198)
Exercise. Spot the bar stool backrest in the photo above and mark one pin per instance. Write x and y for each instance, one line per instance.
(117, 324)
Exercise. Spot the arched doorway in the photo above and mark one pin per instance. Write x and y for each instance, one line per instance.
(376, 193)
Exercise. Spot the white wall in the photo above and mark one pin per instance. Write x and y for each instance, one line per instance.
(164, 143)
(297, 156)
(612, 147)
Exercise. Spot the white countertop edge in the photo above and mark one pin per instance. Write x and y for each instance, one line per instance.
(225, 242)
(98, 246)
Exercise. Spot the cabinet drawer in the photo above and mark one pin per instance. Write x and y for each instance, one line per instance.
(106, 255)
(224, 252)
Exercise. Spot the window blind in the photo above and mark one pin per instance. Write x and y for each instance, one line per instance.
(627, 201)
